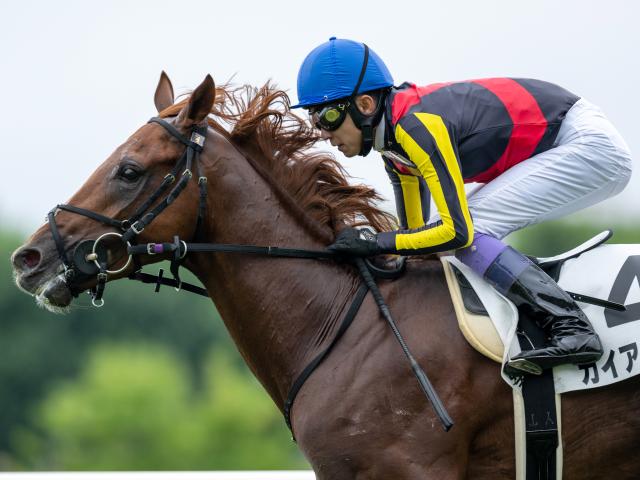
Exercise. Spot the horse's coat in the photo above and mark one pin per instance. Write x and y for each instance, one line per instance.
(361, 415)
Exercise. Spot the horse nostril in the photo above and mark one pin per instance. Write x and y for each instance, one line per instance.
(27, 259)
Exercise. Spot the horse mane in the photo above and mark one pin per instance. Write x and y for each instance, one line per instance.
(279, 145)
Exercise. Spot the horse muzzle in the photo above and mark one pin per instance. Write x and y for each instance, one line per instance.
(55, 294)
(53, 283)
(41, 276)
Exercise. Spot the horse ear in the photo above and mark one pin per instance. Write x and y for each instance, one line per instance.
(199, 104)
(163, 97)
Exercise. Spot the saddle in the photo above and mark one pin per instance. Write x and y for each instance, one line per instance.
(485, 335)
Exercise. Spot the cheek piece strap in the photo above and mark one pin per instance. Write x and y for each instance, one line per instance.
(365, 123)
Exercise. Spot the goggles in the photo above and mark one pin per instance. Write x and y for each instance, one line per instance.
(329, 117)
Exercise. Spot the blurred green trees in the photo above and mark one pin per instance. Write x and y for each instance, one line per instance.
(132, 408)
(552, 238)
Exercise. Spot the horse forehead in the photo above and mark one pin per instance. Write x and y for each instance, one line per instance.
(147, 135)
(147, 141)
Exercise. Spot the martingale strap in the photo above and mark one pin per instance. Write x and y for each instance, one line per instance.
(308, 370)
(160, 279)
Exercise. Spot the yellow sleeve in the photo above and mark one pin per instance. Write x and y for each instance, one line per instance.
(427, 142)
(412, 198)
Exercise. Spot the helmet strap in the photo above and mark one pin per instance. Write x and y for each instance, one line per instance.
(365, 62)
(366, 123)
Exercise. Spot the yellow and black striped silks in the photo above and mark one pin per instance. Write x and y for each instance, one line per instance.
(427, 142)
(412, 198)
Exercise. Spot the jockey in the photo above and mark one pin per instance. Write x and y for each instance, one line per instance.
(540, 152)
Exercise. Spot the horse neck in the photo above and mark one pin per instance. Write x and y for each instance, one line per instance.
(279, 312)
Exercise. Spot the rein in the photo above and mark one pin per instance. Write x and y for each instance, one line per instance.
(91, 258)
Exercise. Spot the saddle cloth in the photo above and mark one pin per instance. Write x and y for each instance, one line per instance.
(610, 272)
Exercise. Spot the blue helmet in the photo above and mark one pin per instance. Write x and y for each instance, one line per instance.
(331, 71)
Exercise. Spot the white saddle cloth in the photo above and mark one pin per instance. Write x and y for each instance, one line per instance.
(610, 272)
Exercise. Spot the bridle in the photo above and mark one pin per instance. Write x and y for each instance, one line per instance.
(90, 256)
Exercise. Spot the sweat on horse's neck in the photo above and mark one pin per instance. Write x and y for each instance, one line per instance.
(280, 312)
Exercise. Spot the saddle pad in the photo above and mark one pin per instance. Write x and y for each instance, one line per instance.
(610, 272)
(477, 329)
(502, 314)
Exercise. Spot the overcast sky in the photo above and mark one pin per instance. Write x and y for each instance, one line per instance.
(78, 77)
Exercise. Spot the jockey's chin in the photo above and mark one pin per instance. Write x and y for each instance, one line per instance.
(350, 144)
(349, 152)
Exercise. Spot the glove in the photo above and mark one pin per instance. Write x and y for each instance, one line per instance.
(355, 242)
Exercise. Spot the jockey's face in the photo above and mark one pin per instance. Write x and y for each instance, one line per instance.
(348, 137)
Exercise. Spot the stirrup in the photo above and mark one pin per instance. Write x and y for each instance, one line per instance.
(524, 365)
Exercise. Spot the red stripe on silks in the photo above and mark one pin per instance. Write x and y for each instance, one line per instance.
(411, 96)
(529, 125)
(401, 168)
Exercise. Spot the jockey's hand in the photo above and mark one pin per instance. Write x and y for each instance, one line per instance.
(355, 242)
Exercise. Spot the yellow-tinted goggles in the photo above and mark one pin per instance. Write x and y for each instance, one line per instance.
(329, 117)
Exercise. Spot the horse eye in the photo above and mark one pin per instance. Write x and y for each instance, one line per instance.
(129, 173)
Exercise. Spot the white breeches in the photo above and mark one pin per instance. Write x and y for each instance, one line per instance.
(588, 163)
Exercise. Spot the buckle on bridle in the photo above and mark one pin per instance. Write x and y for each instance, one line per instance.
(68, 272)
(155, 248)
(135, 229)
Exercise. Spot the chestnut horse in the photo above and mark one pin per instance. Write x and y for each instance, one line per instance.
(361, 414)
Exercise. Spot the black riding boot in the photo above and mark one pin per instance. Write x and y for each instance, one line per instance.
(571, 338)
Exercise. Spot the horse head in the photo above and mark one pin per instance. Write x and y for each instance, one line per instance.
(105, 208)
